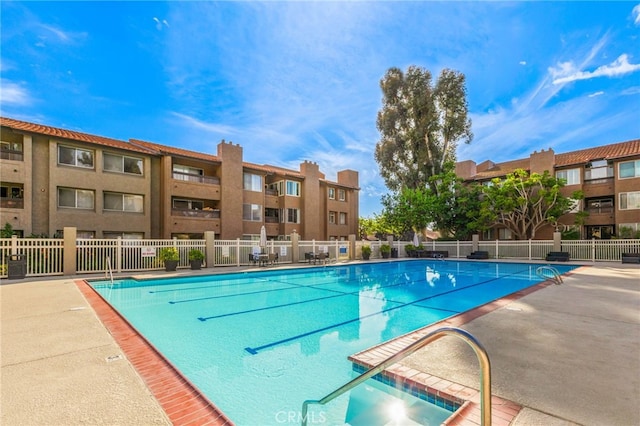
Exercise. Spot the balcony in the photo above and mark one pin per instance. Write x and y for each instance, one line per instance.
(203, 214)
(210, 180)
(11, 155)
(11, 203)
(598, 187)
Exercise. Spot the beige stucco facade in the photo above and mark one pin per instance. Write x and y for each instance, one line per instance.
(177, 194)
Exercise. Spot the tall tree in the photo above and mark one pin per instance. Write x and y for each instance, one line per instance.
(524, 202)
(420, 125)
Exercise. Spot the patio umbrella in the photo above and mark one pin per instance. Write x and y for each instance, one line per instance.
(415, 239)
(263, 237)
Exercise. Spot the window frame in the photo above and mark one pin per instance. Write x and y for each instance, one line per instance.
(342, 195)
(76, 151)
(251, 183)
(332, 193)
(295, 186)
(332, 218)
(636, 196)
(636, 169)
(123, 202)
(76, 191)
(574, 173)
(253, 209)
(293, 212)
(342, 218)
(139, 163)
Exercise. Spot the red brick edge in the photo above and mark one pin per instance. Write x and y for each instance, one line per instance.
(180, 400)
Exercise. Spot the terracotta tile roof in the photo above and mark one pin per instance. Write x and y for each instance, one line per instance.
(172, 151)
(605, 152)
(273, 169)
(68, 134)
(501, 169)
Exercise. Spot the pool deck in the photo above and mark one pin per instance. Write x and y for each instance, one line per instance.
(562, 355)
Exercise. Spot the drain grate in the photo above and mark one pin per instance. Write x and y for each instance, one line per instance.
(114, 358)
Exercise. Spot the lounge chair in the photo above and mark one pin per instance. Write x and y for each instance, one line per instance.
(479, 255)
(561, 256)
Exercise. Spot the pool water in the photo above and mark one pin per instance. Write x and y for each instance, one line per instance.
(258, 344)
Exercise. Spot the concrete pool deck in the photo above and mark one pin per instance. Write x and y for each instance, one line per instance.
(567, 354)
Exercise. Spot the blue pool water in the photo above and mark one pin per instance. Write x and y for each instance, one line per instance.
(258, 344)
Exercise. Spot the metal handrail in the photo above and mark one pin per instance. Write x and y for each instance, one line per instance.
(481, 353)
(555, 274)
(109, 271)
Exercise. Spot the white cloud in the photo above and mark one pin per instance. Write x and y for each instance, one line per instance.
(567, 72)
(523, 62)
(63, 36)
(636, 14)
(213, 128)
(596, 94)
(13, 94)
(159, 23)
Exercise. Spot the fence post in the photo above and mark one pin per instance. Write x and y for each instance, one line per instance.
(593, 249)
(457, 249)
(14, 244)
(475, 242)
(70, 256)
(295, 252)
(497, 248)
(119, 254)
(529, 248)
(210, 248)
(237, 251)
(352, 247)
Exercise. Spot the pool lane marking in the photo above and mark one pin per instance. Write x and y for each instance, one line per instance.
(254, 350)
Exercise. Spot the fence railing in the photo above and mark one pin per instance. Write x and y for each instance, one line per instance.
(45, 256)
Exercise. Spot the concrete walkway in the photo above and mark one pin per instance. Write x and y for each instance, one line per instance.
(570, 354)
(60, 366)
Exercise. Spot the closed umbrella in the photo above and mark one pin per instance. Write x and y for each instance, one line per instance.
(415, 240)
(263, 237)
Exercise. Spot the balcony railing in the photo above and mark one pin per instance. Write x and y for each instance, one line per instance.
(211, 180)
(598, 181)
(12, 203)
(205, 213)
(599, 210)
(271, 192)
(11, 155)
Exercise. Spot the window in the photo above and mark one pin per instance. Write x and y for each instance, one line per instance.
(76, 198)
(76, 157)
(504, 234)
(332, 193)
(629, 230)
(574, 207)
(293, 215)
(342, 195)
(252, 212)
(252, 182)
(629, 169)
(600, 169)
(343, 218)
(122, 164)
(124, 235)
(570, 177)
(599, 205)
(293, 188)
(115, 201)
(629, 200)
(11, 150)
(191, 174)
(332, 218)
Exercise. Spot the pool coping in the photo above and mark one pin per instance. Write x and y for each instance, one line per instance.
(185, 405)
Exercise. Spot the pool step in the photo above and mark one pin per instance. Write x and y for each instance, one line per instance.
(377, 404)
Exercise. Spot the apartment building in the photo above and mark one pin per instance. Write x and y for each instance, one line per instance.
(608, 175)
(107, 188)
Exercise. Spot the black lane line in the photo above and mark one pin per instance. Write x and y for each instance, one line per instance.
(255, 350)
(340, 293)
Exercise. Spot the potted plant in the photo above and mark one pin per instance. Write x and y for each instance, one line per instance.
(411, 250)
(385, 251)
(366, 252)
(195, 258)
(170, 257)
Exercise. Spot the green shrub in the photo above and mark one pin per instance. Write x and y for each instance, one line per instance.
(195, 254)
(169, 253)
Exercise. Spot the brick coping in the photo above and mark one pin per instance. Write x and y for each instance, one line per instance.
(181, 401)
(185, 405)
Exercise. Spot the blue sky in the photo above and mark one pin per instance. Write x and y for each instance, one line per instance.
(295, 81)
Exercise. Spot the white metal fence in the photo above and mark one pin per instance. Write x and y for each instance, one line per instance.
(46, 256)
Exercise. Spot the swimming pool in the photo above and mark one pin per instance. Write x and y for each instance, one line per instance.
(258, 344)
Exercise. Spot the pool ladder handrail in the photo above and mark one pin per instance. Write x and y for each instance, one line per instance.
(481, 353)
(109, 272)
(555, 274)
